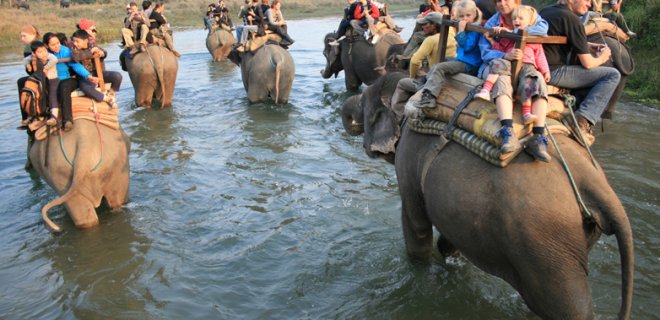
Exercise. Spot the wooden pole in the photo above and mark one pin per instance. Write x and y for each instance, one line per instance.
(99, 72)
(516, 65)
(444, 34)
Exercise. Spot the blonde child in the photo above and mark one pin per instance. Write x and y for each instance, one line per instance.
(468, 56)
(532, 87)
(47, 61)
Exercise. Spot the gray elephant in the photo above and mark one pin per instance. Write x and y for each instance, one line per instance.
(267, 72)
(153, 74)
(219, 44)
(521, 223)
(360, 60)
(83, 166)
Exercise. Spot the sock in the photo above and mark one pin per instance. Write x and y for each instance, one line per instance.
(507, 123)
(526, 109)
(488, 85)
(538, 130)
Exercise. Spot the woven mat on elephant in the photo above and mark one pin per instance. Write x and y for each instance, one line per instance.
(82, 108)
(88, 109)
(604, 25)
(477, 145)
(479, 117)
(257, 42)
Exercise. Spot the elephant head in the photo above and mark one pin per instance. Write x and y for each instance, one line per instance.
(266, 73)
(90, 164)
(372, 114)
(333, 60)
(153, 74)
(219, 43)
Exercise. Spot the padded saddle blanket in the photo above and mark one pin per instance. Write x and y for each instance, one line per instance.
(478, 124)
(82, 108)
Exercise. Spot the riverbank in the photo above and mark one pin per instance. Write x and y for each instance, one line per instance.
(109, 17)
(188, 14)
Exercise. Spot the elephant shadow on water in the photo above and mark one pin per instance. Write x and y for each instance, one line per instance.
(156, 135)
(521, 223)
(269, 127)
(92, 289)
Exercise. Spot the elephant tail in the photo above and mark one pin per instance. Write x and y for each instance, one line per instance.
(44, 211)
(278, 71)
(160, 73)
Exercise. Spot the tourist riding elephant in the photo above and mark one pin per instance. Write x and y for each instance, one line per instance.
(83, 165)
(219, 44)
(153, 74)
(267, 72)
(622, 60)
(521, 223)
(357, 57)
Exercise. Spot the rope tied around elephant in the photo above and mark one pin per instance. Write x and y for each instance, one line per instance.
(98, 118)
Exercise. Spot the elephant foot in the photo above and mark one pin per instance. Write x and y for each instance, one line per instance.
(446, 248)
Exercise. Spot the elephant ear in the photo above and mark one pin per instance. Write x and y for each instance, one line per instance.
(381, 128)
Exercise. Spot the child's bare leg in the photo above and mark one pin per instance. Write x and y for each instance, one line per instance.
(484, 93)
(528, 116)
(538, 145)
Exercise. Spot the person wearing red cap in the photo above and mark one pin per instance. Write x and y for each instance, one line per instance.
(90, 28)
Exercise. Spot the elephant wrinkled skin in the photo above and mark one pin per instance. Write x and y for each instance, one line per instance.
(521, 223)
(219, 44)
(95, 172)
(268, 72)
(153, 74)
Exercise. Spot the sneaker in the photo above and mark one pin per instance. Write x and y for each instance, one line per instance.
(483, 95)
(333, 43)
(176, 53)
(52, 121)
(631, 34)
(68, 126)
(510, 142)
(528, 118)
(537, 147)
(583, 126)
(428, 100)
(398, 29)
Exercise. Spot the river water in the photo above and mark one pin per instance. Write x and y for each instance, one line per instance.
(242, 211)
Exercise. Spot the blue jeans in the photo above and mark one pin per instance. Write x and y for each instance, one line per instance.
(602, 81)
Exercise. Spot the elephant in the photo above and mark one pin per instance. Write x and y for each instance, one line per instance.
(153, 74)
(219, 44)
(84, 165)
(521, 223)
(357, 57)
(65, 4)
(266, 72)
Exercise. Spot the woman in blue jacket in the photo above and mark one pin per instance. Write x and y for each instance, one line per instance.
(67, 82)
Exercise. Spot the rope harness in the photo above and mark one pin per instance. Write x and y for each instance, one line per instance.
(97, 116)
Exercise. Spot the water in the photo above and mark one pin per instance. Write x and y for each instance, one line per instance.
(244, 211)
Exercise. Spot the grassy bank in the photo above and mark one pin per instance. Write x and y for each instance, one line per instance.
(109, 17)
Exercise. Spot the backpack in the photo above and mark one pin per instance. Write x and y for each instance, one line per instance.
(32, 99)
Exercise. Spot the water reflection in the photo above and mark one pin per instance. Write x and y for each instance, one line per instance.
(268, 127)
(96, 269)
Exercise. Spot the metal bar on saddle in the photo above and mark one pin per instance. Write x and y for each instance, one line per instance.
(449, 127)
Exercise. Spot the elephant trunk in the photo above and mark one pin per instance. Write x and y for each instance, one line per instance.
(614, 220)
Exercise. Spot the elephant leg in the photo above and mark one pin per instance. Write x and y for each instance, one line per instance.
(351, 80)
(82, 212)
(257, 92)
(567, 297)
(446, 248)
(417, 229)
